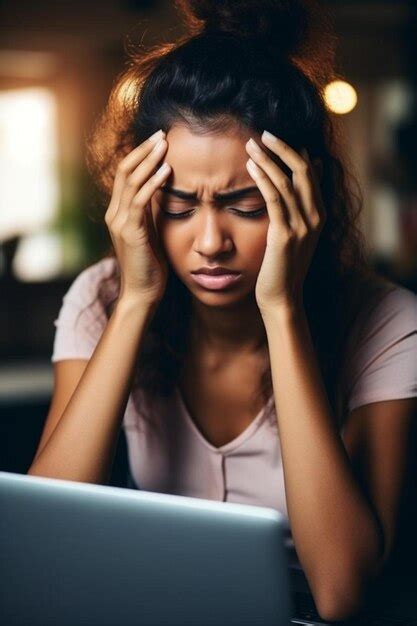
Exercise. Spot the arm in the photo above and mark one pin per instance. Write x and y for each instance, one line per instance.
(342, 537)
(82, 445)
(337, 535)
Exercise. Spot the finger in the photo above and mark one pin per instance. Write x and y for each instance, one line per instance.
(303, 182)
(138, 178)
(141, 200)
(127, 165)
(283, 184)
(277, 210)
(284, 151)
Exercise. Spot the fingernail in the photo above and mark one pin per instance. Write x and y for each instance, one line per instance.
(267, 135)
(164, 168)
(157, 136)
(251, 165)
(158, 144)
(254, 145)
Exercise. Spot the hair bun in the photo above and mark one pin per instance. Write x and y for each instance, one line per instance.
(282, 24)
(299, 29)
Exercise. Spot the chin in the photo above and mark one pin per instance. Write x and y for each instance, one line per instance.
(218, 297)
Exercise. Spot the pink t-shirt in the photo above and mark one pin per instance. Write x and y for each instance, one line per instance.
(379, 364)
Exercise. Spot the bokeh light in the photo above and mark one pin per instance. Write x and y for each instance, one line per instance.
(340, 97)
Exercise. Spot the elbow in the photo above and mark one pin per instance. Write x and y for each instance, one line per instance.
(338, 609)
(343, 597)
(340, 604)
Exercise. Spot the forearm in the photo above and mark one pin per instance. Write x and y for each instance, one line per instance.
(335, 532)
(82, 446)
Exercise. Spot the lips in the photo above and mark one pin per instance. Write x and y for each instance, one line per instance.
(219, 281)
(215, 271)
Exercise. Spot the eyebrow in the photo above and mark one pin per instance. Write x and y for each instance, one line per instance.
(225, 195)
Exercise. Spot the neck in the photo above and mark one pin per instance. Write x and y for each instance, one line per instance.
(235, 329)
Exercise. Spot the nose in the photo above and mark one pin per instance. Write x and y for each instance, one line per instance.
(212, 236)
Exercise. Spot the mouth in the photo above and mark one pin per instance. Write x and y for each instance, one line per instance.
(215, 283)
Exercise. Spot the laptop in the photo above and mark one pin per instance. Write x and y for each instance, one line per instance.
(75, 553)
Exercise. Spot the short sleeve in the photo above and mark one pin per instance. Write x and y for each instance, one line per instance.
(81, 319)
(383, 363)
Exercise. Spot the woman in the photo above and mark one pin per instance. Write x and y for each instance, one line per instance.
(282, 383)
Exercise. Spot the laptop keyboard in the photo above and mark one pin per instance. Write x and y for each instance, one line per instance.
(306, 615)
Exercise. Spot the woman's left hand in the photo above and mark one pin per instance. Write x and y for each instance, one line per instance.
(296, 218)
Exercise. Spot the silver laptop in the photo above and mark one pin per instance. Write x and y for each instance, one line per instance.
(74, 553)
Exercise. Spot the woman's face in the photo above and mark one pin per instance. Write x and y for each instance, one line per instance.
(210, 231)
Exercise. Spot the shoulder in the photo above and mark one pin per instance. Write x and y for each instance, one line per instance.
(82, 316)
(380, 355)
(392, 308)
(87, 284)
(388, 311)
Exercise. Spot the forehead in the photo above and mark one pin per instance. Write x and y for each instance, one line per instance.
(209, 162)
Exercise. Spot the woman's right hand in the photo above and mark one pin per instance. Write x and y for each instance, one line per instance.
(143, 265)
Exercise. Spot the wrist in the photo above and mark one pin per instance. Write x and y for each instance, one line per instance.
(285, 312)
(135, 305)
(282, 315)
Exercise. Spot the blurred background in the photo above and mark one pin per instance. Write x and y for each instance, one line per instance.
(58, 61)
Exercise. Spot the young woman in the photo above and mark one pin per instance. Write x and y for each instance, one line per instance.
(287, 381)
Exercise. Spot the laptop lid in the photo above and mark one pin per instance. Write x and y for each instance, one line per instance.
(76, 553)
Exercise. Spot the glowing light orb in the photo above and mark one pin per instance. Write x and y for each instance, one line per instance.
(340, 97)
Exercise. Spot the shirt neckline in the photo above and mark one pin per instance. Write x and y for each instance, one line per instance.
(234, 443)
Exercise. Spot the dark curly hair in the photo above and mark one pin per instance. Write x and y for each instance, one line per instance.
(259, 64)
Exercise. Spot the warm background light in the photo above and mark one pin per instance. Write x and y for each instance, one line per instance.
(29, 186)
(340, 97)
(29, 183)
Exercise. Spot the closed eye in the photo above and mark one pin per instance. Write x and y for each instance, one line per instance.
(238, 212)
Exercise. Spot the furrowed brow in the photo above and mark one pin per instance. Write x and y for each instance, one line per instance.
(235, 194)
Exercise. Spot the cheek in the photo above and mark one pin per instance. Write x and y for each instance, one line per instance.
(252, 248)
